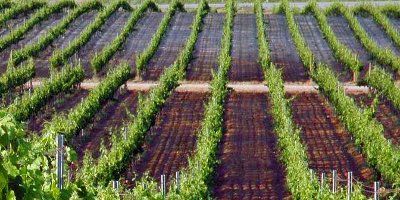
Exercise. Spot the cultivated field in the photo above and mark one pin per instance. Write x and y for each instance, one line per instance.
(113, 101)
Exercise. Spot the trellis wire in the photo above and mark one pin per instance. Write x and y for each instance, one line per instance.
(335, 180)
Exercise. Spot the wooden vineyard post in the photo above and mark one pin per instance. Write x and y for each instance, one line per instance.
(177, 177)
(312, 174)
(369, 69)
(124, 133)
(30, 88)
(60, 160)
(376, 190)
(349, 184)
(334, 181)
(163, 186)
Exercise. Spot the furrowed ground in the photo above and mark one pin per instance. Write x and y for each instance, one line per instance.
(235, 101)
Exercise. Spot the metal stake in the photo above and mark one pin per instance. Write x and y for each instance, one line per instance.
(178, 177)
(334, 181)
(322, 180)
(163, 186)
(376, 190)
(115, 185)
(349, 184)
(60, 160)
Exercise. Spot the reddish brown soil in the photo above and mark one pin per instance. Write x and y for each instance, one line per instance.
(171, 45)
(329, 146)
(245, 65)
(113, 115)
(58, 104)
(30, 37)
(107, 33)
(363, 100)
(283, 51)
(386, 114)
(172, 138)
(249, 167)
(205, 55)
(73, 31)
(138, 40)
(319, 46)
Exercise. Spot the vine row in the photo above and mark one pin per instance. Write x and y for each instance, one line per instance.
(99, 60)
(20, 8)
(81, 115)
(304, 52)
(62, 81)
(55, 32)
(368, 133)
(143, 58)
(382, 20)
(293, 153)
(382, 81)
(316, 75)
(60, 57)
(196, 177)
(14, 77)
(42, 14)
(112, 162)
(383, 56)
(341, 52)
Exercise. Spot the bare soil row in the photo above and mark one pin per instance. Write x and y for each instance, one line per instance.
(245, 67)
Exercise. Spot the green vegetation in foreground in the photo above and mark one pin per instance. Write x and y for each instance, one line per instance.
(138, 2)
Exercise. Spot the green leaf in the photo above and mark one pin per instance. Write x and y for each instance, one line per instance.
(71, 154)
(11, 195)
(3, 179)
(10, 168)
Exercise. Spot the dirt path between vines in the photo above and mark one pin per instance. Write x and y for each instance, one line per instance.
(205, 87)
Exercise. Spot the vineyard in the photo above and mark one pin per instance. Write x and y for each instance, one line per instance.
(122, 100)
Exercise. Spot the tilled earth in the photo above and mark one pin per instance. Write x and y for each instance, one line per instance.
(249, 158)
